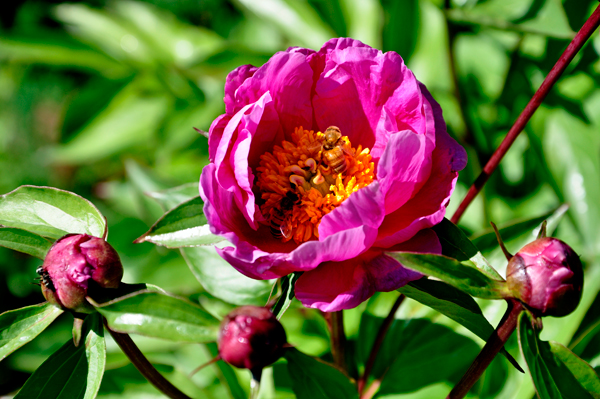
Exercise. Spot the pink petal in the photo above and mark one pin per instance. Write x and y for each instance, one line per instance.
(344, 285)
(234, 80)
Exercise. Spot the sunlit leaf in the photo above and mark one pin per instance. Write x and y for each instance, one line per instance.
(462, 275)
(183, 226)
(170, 198)
(287, 294)
(313, 379)
(160, 316)
(50, 212)
(19, 326)
(24, 241)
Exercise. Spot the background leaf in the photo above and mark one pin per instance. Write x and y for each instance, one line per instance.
(19, 326)
(313, 379)
(555, 370)
(50, 212)
(71, 372)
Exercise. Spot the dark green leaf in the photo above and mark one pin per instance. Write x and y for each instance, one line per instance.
(170, 198)
(313, 379)
(454, 304)
(401, 26)
(415, 353)
(160, 316)
(71, 372)
(462, 275)
(50, 212)
(556, 371)
(184, 226)
(221, 280)
(19, 326)
(287, 294)
(24, 241)
(109, 294)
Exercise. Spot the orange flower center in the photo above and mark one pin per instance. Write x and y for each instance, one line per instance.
(303, 180)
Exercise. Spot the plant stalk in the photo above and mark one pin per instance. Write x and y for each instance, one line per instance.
(490, 350)
(144, 366)
(565, 59)
(338, 339)
(383, 329)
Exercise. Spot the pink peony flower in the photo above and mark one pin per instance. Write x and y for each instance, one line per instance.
(291, 200)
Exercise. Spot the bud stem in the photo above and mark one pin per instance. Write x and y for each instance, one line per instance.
(565, 59)
(383, 329)
(144, 366)
(490, 350)
(338, 338)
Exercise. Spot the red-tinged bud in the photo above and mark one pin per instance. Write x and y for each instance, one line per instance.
(546, 275)
(251, 337)
(74, 264)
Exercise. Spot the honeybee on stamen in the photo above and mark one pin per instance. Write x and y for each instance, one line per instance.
(334, 150)
(279, 226)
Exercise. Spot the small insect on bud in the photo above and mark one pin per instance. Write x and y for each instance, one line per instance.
(73, 265)
(251, 337)
(546, 275)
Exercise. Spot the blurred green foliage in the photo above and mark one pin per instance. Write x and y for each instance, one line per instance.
(100, 97)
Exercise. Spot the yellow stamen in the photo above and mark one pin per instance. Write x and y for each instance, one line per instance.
(300, 167)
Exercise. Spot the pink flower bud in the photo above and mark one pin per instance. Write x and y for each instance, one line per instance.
(251, 337)
(75, 264)
(546, 275)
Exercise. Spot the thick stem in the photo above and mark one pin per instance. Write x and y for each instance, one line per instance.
(144, 366)
(490, 350)
(338, 339)
(385, 326)
(572, 49)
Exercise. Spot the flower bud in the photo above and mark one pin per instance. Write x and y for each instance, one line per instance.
(75, 264)
(546, 275)
(251, 337)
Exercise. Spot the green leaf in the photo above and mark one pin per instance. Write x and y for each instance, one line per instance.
(313, 379)
(415, 353)
(184, 226)
(71, 372)
(170, 198)
(19, 326)
(462, 275)
(287, 294)
(222, 281)
(401, 26)
(50, 212)
(24, 241)
(454, 304)
(556, 371)
(160, 316)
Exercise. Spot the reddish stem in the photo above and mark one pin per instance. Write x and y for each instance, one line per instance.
(385, 326)
(490, 350)
(144, 366)
(572, 49)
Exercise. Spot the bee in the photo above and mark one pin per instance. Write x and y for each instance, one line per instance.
(45, 278)
(279, 227)
(334, 149)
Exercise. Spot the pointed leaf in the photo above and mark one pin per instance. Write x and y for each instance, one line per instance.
(556, 371)
(19, 326)
(159, 315)
(71, 372)
(170, 198)
(50, 212)
(454, 304)
(24, 241)
(462, 275)
(222, 281)
(184, 226)
(287, 295)
(313, 379)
